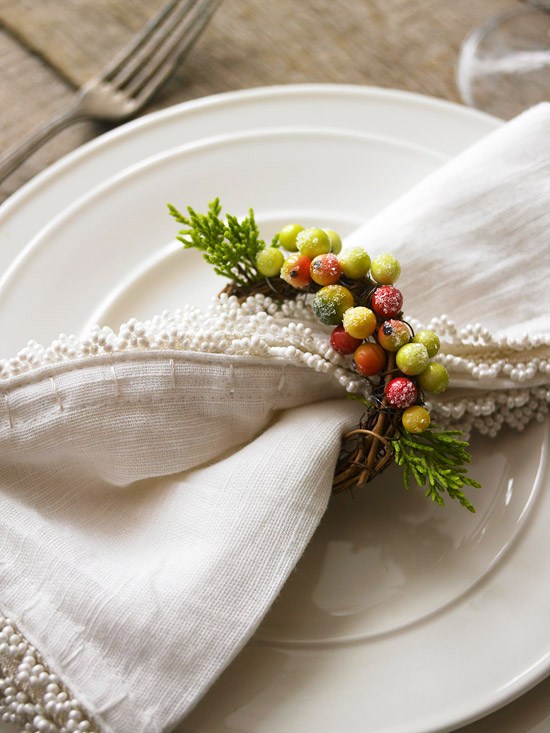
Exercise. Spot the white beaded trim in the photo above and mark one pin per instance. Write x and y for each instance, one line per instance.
(258, 327)
(489, 412)
(263, 327)
(473, 351)
(32, 697)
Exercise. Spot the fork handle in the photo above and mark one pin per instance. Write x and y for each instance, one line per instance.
(19, 154)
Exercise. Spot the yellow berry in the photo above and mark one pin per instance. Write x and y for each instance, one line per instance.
(416, 419)
(359, 322)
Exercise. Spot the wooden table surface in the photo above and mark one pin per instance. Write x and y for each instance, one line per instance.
(49, 47)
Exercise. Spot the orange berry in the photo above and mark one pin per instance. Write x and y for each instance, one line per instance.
(369, 359)
(325, 269)
(295, 271)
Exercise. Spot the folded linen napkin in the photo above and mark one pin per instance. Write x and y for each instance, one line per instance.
(158, 485)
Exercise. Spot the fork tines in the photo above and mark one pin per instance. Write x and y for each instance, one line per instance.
(150, 57)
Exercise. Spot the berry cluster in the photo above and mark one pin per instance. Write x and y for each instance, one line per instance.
(358, 297)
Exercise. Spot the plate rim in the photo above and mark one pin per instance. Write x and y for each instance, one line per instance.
(222, 99)
(189, 148)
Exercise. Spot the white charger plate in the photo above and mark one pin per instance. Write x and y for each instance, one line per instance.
(395, 617)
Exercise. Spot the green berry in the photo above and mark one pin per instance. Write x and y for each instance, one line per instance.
(269, 261)
(385, 269)
(335, 241)
(430, 340)
(287, 236)
(359, 322)
(416, 419)
(313, 242)
(435, 378)
(330, 304)
(412, 359)
(355, 263)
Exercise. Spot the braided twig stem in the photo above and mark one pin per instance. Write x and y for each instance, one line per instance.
(278, 289)
(367, 451)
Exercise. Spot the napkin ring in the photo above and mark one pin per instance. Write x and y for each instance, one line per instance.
(357, 297)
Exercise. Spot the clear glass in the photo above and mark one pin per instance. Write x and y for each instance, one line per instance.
(504, 65)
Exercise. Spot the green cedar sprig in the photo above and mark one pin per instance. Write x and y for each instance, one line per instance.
(231, 246)
(438, 459)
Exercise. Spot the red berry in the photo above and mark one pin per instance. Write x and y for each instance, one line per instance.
(401, 392)
(295, 271)
(387, 301)
(342, 342)
(369, 359)
(325, 269)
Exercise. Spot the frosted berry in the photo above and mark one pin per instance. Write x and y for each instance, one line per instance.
(287, 236)
(412, 359)
(430, 340)
(330, 304)
(355, 263)
(325, 269)
(416, 419)
(392, 335)
(335, 241)
(269, 261)
(313, 242)
(359, 322)
(385, 269)
(401, 392)
(295, 271)
(342, 342)
(435, 378)
(387, 301)
(369, 359)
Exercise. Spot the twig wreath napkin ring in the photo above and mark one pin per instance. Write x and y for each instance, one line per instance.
(366, 312)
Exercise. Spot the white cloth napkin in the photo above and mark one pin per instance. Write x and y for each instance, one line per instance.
(158, 485)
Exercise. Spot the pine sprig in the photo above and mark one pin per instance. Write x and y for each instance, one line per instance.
(436, 458)
(230, 246)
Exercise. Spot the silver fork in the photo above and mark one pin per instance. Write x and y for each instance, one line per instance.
(131, 79)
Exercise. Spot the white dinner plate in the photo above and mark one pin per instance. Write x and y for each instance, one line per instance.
(441, 126)
(332, 177)
(400, 616)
